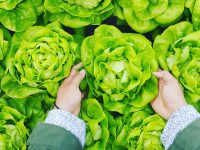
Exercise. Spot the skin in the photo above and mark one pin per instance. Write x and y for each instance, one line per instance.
(69, 95)
(169, 99)
(170, 96)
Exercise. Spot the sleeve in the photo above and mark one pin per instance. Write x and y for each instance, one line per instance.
(188, 139)
(177, 123)
(60, 130)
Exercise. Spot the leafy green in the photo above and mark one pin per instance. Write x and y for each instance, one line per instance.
(78, 13)
(119, 68)
(13, 133)
(4, 45)
(145, 15)
(178, 50)
(134, 131)
(15, 16)
(193, 6)
(38, 59)
(96, 124)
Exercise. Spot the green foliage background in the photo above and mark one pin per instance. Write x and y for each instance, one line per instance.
(119, 42)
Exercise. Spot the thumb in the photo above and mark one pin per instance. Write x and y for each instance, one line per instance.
(76, 80)
(165, 75)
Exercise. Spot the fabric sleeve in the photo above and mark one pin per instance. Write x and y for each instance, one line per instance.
(69, 122)
(177, 122)
(188, 139)
(51, 137)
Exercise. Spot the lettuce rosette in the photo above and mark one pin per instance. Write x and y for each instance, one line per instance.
(145, 15)
(139, 131)
(119, 68)
(79, 13)
(38, 59)
(13, 133)
(193, 6)
(19, 15)
(96, 124)
(178, 50)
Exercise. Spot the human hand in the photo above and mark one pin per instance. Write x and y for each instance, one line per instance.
(170, 96)
(69, 95)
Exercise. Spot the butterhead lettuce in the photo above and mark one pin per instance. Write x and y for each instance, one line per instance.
(38, 59)
(13, 133)
(178, 50)
(119, 68)
(19, 15)
(96, 124)
(79, 13)
(145, 15)
(4, 46)
(193, 6)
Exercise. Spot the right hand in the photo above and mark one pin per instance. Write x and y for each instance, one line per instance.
(170, 96)
(69, 95)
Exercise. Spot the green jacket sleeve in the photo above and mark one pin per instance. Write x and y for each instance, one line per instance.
(50, 137)
(189, 138)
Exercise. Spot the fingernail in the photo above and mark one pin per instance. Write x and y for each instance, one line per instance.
(82, 71)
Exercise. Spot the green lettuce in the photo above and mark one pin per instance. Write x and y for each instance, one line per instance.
(193, 6)
(13, 133)
(145, 15)
(78, 13)
(38, 59)
(138, 131)
(134, 131)
(4, 46)
(19, 15)
(34, 107)
(119, 68)
(96, 124)
(178, 50)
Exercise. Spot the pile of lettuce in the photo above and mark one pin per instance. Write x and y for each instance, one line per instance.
(40, 41)
(178, 50)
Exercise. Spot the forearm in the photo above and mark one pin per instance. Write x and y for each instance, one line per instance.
(178, 121)
(69, 122)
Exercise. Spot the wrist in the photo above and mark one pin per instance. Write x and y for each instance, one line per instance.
(66, 109)
(176, 108)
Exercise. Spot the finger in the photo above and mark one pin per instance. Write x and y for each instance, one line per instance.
(165, 75)
(77, 66)
(76, 80)
(74, 71)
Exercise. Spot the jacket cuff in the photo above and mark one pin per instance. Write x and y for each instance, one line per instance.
(179, 120)
(68, 121)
